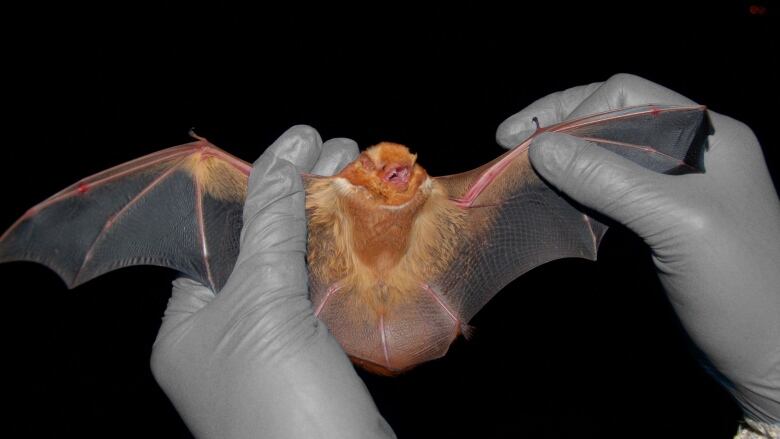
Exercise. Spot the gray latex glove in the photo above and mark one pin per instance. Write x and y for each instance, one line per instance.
(254, 361)
(715, 237)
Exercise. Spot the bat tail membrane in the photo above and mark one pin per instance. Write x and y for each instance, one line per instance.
(174, 208)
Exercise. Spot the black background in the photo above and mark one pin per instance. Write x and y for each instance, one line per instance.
(572, 349)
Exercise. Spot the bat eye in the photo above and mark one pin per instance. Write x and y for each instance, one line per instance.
(366, 163)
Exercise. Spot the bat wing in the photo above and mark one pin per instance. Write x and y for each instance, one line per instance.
(173, 208)
(517, 222)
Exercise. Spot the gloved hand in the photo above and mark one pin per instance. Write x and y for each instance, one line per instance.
(254, 361)
(715, 237)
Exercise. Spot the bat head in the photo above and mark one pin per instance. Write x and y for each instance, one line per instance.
(388, 171)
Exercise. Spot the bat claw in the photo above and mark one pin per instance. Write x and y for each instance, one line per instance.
(536, 121)
(195, 136)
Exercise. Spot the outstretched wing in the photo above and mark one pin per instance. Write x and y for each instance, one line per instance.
(173, 208)
(517, 222)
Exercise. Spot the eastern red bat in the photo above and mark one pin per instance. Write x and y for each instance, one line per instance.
(399, 261)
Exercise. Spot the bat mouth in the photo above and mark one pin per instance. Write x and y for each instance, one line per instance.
(397, 176)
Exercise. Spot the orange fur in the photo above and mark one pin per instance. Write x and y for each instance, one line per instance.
(216, 177)
(377, 244)
(365, 171)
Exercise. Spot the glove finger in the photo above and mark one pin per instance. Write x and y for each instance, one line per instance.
(336, 153)
(188, 297)
(271, 261)
(274, 214)
(275, 184)
(603, 181)
(626, 90)
(619, 91)
(548, 110)
(299, 145)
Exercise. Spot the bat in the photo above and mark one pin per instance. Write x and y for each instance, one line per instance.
(399, 261)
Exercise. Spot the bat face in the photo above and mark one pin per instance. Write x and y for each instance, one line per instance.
(388, 172)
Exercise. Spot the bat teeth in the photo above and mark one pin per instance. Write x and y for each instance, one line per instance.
(397, 173)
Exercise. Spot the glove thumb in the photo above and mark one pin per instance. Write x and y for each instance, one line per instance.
(603, 181)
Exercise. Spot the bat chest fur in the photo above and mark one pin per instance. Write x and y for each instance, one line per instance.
(381, 252)
(379, 256)
(381, 239)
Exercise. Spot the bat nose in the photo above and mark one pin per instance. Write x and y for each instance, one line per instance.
(397, 176)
